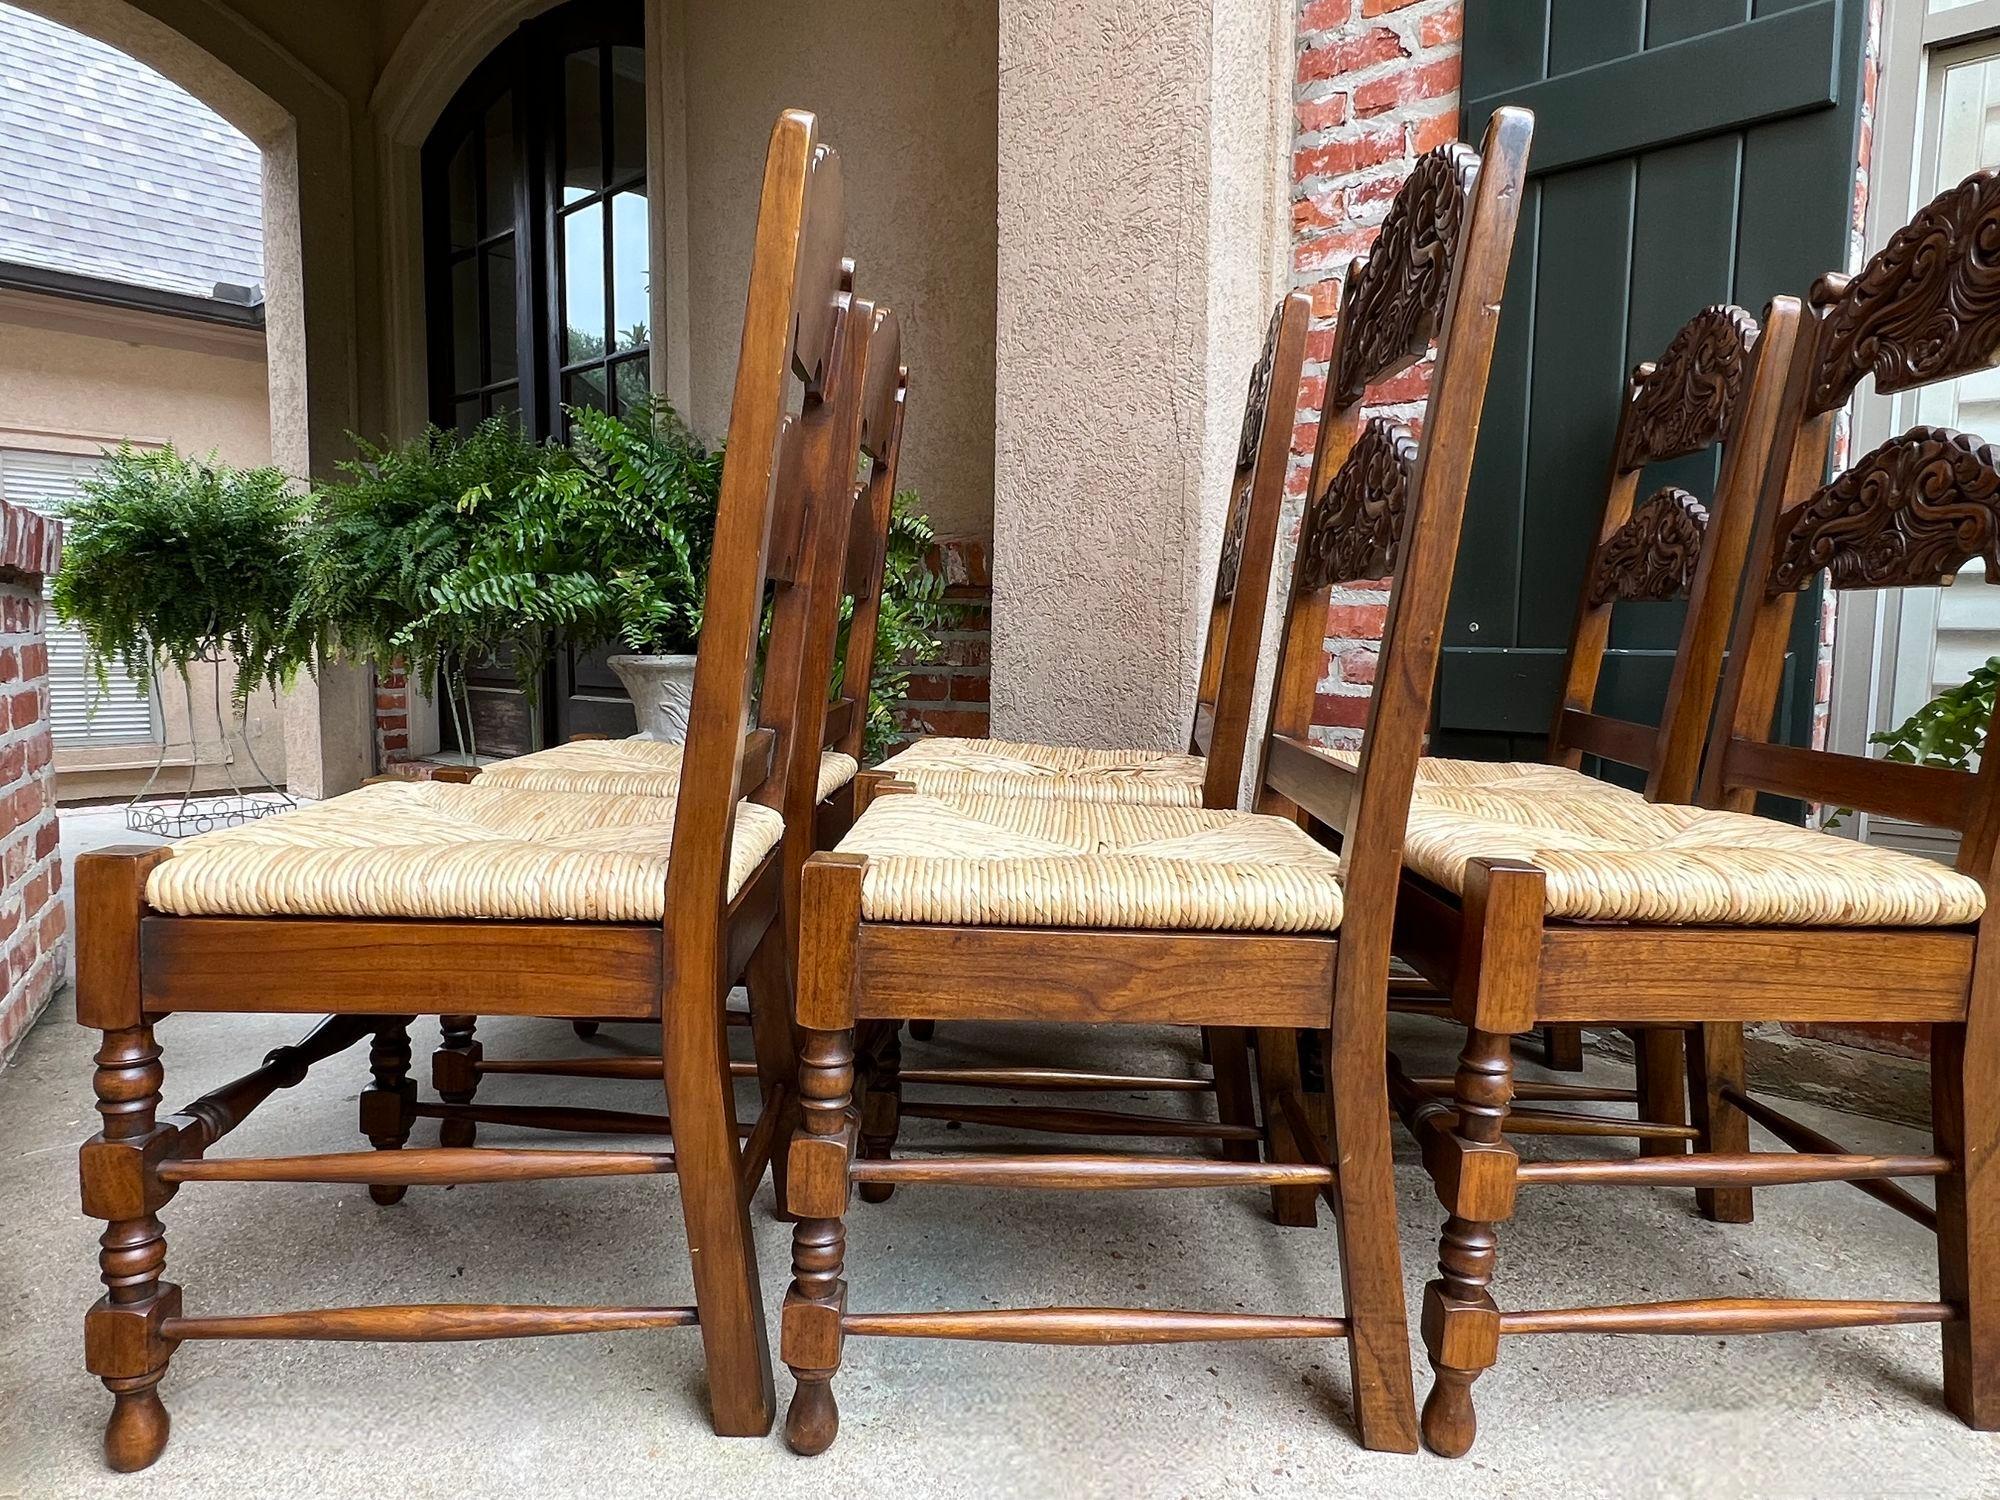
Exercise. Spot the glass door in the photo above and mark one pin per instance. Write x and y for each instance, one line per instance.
(538, 250)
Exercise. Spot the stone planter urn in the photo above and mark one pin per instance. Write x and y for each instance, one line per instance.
(662, 689)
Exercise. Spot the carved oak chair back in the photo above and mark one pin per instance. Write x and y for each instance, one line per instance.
(1383, 502)
(1717, 384)
(1234, 637)
(1925, 309)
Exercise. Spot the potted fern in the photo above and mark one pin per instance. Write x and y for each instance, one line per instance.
(381, 540)
(609, 542)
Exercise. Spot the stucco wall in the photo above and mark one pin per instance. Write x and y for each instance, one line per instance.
(1136, 273)
(77, 380)
(908, 95)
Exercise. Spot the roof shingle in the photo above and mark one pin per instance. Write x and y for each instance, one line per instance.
(109, 170)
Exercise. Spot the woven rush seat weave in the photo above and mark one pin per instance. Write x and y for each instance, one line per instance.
(639, 768)
(428, 849)
(1635, 861)
(1023, 862)
(1439, 774)
(947, 767)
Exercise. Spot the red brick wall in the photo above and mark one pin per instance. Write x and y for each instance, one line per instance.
(33, 924)
(1377, 86)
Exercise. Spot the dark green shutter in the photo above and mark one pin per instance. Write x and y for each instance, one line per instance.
(1686, 152)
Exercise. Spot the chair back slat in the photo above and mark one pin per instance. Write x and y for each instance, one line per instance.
(1226, 687)
(1392, 302)
(1353, 530)
(1908, 515)
(1652, 557)
(1687, 399)
(1911, 513)
(1925, 308)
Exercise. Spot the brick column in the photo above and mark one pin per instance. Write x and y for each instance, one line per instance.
(33, 925)
(1377, 87)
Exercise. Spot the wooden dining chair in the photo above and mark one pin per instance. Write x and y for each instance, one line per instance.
(1210, 773)
(396, 901)
(653, 769)
(1705, 917)
(1021, 909)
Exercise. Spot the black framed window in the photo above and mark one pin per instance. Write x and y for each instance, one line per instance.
(602, 237)
(538, 241)
(537, 281)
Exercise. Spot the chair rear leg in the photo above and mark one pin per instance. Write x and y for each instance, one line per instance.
(1562, 1047)
(882, 1106)
(1965, 1124)
(700, 1101)
(1371, 1257)
(1278, 1072)
(455, 1075)
(1659, 1055)
(1235, 1093)
(768, 982)
(1715, 1064)
(388, 1104)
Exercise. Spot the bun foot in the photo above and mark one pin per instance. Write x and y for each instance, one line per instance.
(584, 1028)
(923, 1031)
(456, 1133)
(136, 1435)
(387, 1193)
(877, 1192)
(814, 1420)
(1449, 1422)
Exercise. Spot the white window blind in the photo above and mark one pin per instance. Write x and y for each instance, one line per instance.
(80, 713)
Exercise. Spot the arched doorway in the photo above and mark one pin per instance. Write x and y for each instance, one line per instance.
(537, 268)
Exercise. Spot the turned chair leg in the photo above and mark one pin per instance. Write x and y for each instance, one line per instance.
(1965, 1126)
(1461, 1322)
(1714, 1071)
(124, 1345)
(455, 1075)
(388, 1105)
(816, 1301)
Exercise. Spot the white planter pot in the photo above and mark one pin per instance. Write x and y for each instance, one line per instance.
(662, 689)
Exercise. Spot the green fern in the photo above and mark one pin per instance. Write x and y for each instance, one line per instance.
(1950, 730)
(612, 544)
(173, 559)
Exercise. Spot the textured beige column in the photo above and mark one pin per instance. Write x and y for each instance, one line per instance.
(1142, 157)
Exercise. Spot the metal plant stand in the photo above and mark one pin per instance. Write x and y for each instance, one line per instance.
(204, 812)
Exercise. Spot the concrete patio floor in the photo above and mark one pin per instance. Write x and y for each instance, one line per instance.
(1828, 1414)
(1846, 1414)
